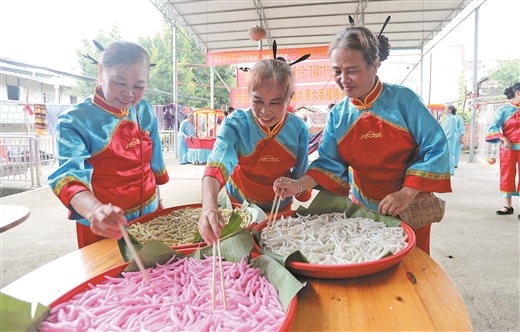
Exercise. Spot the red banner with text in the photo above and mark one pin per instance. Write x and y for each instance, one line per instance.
(291, 54)
(304, 72)
(304, 95)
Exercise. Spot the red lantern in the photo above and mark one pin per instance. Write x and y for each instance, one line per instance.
(257, 33)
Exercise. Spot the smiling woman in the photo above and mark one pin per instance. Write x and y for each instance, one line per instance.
(56, 21)
(109, 152)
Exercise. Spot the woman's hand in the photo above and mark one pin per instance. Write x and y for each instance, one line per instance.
(210, 224)
(105, 221)
(506, 142)
(290, 187)
(293, 187)
(396, 202)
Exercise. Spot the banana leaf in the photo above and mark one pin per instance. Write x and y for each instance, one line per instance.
(235, 221)
(327, 202)
(286, 284)
(233, 247)
(151, 253)
(257, 214)
(125, 251)
(16, 314)
(234, 225)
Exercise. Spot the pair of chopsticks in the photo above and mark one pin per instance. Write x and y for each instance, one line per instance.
(215, 247)
(134, 253)
(272, 217)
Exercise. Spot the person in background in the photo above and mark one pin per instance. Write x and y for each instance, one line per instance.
(458, 142)
(451, 130)
(109, 159)
(186, 131)
(254, 147)
(505, 129)
(380, 140)
(229, 110)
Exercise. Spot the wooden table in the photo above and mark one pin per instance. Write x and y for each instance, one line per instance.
(386, 300)
(12, 215)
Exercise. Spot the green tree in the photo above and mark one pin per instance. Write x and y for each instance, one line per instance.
(88, 69)
(159, 49)
(193, 76)
(507, 73)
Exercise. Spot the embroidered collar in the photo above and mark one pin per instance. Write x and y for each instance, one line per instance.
(370, 98)
(100, 101)
(515, 104)
(270, 131)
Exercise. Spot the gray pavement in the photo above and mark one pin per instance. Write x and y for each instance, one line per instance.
(477, 248)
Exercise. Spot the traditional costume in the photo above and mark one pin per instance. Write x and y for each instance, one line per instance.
(458, 144)
(109, 152)
(507, 123)
(387, 141)
(451, 130)
(247, 158)
(186, 130)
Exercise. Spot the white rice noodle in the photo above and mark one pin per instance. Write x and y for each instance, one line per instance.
(334, 239)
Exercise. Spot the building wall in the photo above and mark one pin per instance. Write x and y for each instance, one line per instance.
(31, 92)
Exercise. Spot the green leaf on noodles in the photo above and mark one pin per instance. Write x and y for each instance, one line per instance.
(288, 286)
(125, 251)
(151, 253)
(327, 202)
(16, 314)
(231, 227)
(295, 256)
(233, 247)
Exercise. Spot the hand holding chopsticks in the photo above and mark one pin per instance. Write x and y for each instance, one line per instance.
(277, 199)
(215, 247)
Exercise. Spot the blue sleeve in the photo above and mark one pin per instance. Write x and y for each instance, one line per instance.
(330, 160)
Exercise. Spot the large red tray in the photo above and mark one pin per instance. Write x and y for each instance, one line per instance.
(346, 270)
(115, 271)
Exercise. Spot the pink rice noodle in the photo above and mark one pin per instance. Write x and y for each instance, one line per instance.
(178, 298)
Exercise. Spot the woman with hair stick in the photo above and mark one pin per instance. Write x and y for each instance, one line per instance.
(505, 129)
(380, 140)
(109, 152)
(256, 146)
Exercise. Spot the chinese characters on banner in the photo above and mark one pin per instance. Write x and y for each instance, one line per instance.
(323, 92)
(291, 54)
(304, 95)
(315, 70)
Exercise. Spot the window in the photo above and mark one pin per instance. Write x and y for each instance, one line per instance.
(48, 98)
(13, 92)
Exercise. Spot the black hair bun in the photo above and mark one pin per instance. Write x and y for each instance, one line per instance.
(384, 48)
(510, 94)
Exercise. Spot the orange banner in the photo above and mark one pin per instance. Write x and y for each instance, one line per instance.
(304, 95)
(304, 72)
(291, 54)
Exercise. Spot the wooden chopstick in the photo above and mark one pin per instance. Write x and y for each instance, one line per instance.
(134, 253)
(272, 217)
(215, 247)
(221, 275)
